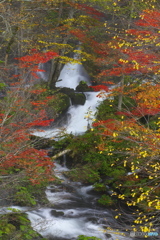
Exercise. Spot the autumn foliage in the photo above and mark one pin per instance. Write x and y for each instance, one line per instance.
(16, 149)
(127, 133)
(135, 130)
(21, 112)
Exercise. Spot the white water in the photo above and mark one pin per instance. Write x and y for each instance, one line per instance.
(74, 213)
(80, 117)
(71, 75)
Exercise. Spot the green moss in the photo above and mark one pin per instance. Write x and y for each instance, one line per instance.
(83, 87)
(78, 98)
(23, 197)
(106, 200)
(16, 226)
(83, 237)
(86, 173)
(63, 102)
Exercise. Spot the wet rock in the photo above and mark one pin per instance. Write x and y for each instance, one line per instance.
(56, 213)
(83, 87)
(78, 99)
(109, 237)
(67, 91)
(92, 220)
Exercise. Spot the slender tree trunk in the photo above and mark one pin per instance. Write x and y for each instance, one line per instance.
(120, 97)
(11, 41)
(56, 65)
(55, 70)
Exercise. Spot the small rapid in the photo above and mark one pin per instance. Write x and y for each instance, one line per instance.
(75, 212)
(80, 117)
(74, 208)
(71, 75)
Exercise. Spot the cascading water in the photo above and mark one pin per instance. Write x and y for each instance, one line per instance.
(71, 75)
(80, 120)
(80, 116)
(74, 210)
(74, 213)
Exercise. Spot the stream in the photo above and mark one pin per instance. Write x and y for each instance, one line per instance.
(74, 208)
(75, 212)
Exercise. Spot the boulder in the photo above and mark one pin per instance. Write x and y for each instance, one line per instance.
(78, 98)
(67, 91)
(83, 87)
(57, 213)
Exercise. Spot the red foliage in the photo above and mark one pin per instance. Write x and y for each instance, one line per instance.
(25, 113)
(16, 148)
(136, 54)
(137, 32)
(98, 88)
(42, 123)
(80, 34)
(149, 18)
(142, 111)
(89, 10)
(31, 61)
(104, 122)
(36, 58)
(107, 126)
(37, 165)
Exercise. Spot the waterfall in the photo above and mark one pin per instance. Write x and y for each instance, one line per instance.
(73, 209)
(71, 75)
(81, 116)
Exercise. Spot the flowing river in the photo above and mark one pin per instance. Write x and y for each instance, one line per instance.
(74, 208)
(74, 212)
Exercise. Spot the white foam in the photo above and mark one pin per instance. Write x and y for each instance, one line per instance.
(82, 117)
(71, 75)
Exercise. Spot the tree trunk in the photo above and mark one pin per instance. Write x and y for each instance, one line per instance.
(11, 41)
(120, 97)
(56, 65)
(55, 70)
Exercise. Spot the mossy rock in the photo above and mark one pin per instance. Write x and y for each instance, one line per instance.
(78, 99)
(17, 226)
(64, 103)
(67, 91)
(58, 105)
(83, 87)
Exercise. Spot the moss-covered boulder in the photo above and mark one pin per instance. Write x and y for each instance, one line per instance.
(16, 226)
(83, 87)
(67, 91)
(64, 102)
(58, 105)
(78, 99)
